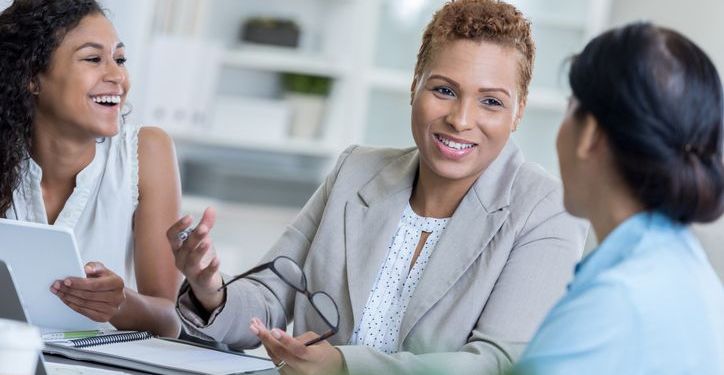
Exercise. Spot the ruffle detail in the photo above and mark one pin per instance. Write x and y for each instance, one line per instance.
(131, 137)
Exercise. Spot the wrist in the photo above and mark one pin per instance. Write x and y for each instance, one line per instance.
(211, 302)
(207, 299)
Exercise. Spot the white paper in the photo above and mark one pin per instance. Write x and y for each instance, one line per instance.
(178, 355)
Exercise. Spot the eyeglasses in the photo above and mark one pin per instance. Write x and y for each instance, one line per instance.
(289, 271)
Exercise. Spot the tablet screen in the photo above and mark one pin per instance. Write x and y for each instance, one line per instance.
(40, 254)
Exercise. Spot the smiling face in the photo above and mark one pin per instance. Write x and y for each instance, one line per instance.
(86, 83)
(465, 105)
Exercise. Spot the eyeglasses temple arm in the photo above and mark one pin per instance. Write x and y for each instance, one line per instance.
(245, 274)
(325, 336)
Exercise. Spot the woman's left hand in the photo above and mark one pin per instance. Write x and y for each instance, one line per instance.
(321, 358)
(99, 296)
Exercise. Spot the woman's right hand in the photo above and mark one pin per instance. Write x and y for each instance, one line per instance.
(197, 260)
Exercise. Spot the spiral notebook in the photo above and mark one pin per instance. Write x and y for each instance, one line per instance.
(142, 351)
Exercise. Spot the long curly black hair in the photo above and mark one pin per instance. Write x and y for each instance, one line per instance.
(30, 30)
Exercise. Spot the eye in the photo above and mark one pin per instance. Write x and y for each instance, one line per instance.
(444, 90)
(492, 102)
(121, 61)
(94, 59)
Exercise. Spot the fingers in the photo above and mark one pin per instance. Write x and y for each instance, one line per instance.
(208, 218)
(95, 315)
(93, 269)
(199, 237)
(100, 307)
(173, 231)
(278, 343)
(293, 345)
(107, 281)
(113, 297)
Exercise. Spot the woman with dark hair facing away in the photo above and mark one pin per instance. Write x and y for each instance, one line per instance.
(442, 258)
(67, 159)
(640, 153)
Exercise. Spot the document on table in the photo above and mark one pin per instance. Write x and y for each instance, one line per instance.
(163, 356)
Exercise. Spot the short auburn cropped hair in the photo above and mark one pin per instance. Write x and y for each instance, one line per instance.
(480, 20)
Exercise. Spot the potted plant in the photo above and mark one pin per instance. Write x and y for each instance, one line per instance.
(306, 96)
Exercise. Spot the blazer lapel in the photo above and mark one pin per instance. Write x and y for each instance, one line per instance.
(371, 223)
(456, 250)
(475, 222)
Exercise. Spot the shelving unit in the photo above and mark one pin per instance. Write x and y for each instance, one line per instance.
(368, 48)
(280, 59)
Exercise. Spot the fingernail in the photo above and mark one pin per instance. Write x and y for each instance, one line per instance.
(276, 333)
(88, 268)
(52, 290)
(254, 330)
(66, 282)
(56, 285)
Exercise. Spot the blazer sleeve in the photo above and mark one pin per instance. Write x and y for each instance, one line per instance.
(263, 296)
(539, 266)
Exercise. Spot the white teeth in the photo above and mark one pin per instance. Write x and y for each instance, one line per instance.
(112, 99)
(453, 144)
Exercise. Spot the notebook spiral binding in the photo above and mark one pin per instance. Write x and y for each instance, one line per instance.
(110, 339)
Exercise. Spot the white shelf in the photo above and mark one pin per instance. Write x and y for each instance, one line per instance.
(280, 59)
(390, 79)
(313, 148)
(399, 81)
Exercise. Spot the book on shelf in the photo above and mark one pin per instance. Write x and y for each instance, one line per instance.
(144, 352)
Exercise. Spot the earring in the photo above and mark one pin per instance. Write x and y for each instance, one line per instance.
(515, 124)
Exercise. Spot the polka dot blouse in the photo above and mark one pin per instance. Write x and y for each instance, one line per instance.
(379, 326)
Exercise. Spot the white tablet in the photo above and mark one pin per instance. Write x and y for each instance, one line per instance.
(40, 254)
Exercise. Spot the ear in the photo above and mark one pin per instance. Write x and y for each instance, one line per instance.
(34, 86)
(519, 114)
(413, 89)
(591, 138)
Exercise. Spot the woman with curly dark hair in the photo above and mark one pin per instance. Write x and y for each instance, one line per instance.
(66, 159)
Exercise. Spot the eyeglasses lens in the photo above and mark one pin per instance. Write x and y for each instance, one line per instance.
(291, 273)
(324, 303)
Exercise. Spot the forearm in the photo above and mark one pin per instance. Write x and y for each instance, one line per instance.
(147, 313)
(229, 323)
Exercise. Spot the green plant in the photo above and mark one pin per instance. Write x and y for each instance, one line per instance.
(306, 84)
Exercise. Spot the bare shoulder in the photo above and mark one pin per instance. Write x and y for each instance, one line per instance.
(152, 140)
(156, 157)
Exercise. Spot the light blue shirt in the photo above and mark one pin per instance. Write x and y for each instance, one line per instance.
(645, 302)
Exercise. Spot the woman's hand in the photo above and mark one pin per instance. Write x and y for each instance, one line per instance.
(296, 358)
(99, 296)
(196, 259)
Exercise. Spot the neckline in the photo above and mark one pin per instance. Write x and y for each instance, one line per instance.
(84, 182)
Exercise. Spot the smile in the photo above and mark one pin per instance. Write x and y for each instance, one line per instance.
(109, 100)
(453, 144)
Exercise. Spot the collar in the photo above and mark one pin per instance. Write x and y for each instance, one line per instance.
(620, 244)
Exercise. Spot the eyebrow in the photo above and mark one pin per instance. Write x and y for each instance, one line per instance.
(482, 89)
(98, 46)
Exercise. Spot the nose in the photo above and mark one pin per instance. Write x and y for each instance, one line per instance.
(460, 115)
(114, 73)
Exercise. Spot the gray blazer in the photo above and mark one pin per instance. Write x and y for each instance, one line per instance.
(505, 257)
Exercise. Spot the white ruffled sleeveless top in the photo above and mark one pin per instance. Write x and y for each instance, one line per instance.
(100, 209)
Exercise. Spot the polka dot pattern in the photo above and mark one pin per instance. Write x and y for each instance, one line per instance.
(379, 326)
